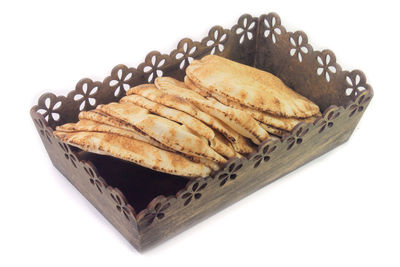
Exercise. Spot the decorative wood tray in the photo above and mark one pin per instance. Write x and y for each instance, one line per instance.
(147, 206)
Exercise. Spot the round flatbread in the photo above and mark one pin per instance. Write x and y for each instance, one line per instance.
(249, 86)
(135, 151)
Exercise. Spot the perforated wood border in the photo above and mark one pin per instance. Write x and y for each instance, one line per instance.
(262, 42)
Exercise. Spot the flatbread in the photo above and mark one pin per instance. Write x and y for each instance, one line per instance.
(193, 87)
(93, 126)
(239, 143)
(151, 92)
(165, 131)
(237, 119)
(280, 122)
(118, 127)
(101, 117)
(209, 163)
(273, 130)
(213, 165)
(135, 151)
(249, 86)
(220, 144)
(172, 114)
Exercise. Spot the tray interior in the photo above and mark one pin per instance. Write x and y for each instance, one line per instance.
(138, 184)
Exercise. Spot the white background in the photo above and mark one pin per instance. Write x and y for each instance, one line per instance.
(342, 209)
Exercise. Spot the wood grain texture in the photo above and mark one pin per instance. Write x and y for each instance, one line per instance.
(147, 206)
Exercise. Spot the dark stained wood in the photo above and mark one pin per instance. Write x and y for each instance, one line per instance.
(147, 206)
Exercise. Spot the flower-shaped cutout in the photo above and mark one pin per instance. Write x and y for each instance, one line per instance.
(298, 42)
(186, 51)
(49, 106)
(216, 39)
(298, 136)
(156, 212)
(328, 120)
(121, 203)
(153, 64)
(264, 156)
(85, 93)
(356, 83)
(120, 79)
(193, 192)
(359, 104)
(326, 66)
(272, 25)
(244, 29)
(230, 173)
(68, 154)
(93, 178)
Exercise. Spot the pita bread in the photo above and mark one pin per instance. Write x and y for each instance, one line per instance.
(135, 151)
(249, 86)
(151, 92)
(93, 126)
(165, 131)
(238, 120)
(227, 138)
(101, 117)
(119, 127)
(172, 114)
(214, 166)
(209, 163)
(220, 144)
(276, 121)
(193, 87)
(184, 127)
(239, 143)
(273, 130)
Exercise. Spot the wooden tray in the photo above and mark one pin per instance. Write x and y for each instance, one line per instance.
(148, 206)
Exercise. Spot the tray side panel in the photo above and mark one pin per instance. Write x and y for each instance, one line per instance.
(314, 74)
(109, 201)
(274, 159)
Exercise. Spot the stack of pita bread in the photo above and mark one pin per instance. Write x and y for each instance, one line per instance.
(223, 109)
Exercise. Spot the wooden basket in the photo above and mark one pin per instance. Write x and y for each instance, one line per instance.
(147, 206)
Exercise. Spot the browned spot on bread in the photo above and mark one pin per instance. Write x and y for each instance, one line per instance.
(243, 94)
